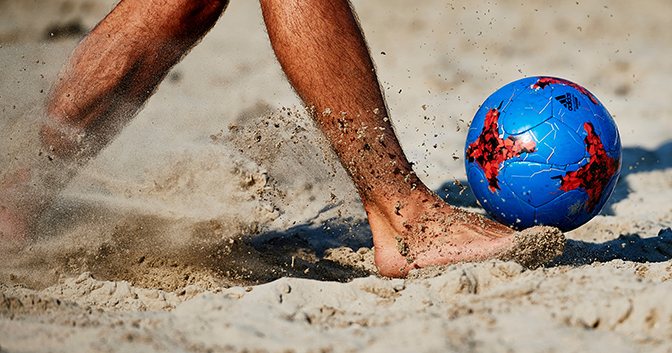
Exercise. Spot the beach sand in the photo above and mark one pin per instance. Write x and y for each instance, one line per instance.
(220, 221)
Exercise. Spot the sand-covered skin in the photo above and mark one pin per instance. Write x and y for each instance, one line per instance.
(219, 220)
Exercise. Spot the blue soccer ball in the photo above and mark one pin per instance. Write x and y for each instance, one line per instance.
(543, 151)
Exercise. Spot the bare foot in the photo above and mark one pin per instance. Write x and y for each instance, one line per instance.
(427, 231)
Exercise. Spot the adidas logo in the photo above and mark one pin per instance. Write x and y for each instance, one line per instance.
(569, 101)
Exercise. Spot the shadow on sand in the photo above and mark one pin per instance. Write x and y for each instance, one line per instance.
(629, 247)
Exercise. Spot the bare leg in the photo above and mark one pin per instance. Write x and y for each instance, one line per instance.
(106, 81)
(117, 67)
(324, 55)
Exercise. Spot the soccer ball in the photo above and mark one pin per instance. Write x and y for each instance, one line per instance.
(542, 151)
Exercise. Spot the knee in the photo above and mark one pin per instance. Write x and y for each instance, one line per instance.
(204, 11)
(221, 4)
(189, 18)
(215, 7)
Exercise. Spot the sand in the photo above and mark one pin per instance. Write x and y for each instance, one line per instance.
(219, 220)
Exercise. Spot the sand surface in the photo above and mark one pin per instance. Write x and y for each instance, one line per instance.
(219, 220)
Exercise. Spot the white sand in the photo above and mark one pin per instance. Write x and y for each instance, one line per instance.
(203, 227)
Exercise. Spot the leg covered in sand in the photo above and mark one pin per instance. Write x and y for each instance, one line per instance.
(106, 81)
(324, 55)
